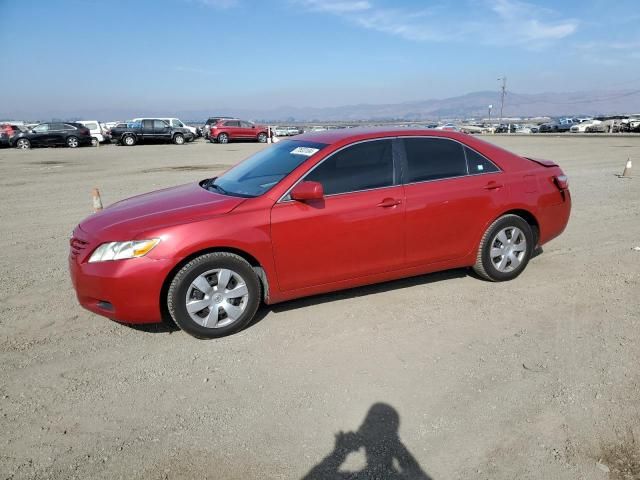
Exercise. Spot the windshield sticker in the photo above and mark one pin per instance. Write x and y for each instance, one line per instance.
(306, 151)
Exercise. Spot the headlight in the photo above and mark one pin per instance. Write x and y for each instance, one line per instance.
(122, 250)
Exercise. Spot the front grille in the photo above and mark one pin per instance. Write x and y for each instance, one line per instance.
(77, 246)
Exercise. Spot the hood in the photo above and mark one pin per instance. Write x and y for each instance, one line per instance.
(171, 206)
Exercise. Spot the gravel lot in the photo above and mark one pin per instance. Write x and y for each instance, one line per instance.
(535, 378)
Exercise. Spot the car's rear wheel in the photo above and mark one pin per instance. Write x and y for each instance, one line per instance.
(262, 137)
(23, 144)
(94, 142)
(178, 139)
(505, 249)
(223, 138)
(129, 140)
(214, 295)
(73, 142)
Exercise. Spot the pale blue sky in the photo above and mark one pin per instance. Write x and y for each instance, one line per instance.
(73, 56)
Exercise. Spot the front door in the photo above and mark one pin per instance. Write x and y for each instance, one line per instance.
(161, 130)
(356, 230)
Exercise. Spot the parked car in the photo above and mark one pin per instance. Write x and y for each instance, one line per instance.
(99, 133)
(286, 131)
(52, 134)
(206, 128)
(149, 129)
(225, 131)
(314, 214)
(177, 123)
(583, 126)
(8, 130)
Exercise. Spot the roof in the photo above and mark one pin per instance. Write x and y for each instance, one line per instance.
(362, 133)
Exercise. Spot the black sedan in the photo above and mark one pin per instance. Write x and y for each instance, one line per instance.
(53, 134)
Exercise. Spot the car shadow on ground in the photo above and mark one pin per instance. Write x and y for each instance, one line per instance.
(386, 456)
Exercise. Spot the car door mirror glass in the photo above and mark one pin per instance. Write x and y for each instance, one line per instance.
(306, 191)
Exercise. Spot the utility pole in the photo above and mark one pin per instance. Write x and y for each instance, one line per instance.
(503, 92)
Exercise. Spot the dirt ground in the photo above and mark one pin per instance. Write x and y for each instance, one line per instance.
(443, 375)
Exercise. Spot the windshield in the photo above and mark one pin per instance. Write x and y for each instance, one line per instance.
(260, 172)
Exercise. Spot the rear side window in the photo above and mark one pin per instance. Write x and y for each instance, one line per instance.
(479, 164)
(433, 159)
(232, 123)
(91, 126)
(363, 166)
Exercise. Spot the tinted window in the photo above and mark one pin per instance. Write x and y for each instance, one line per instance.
(57, 126)
(232, 123)
(434, 158)
(159, 124)
(260, 172)
(67, 126)
(362, 166)
(43, 127)
(477, 163)
(147, 124)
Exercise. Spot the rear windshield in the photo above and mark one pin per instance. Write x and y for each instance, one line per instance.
(260, 172)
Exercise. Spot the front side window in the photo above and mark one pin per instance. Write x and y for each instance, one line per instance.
(159, 124)
(260, 172)
(42, 128)
(433, 159)
(246, 125)
(362, 166)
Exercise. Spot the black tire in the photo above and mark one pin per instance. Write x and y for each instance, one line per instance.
(94, 142)
(128, 140)
(177, 293)
(73, 142)
(23, 144)
(262, 137)
(485, 266)
(178, 139)
(223, 138)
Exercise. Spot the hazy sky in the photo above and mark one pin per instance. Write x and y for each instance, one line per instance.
(67, 57)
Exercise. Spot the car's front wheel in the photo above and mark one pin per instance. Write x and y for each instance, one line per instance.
(214, 295)
(178, 139)
(505, 249)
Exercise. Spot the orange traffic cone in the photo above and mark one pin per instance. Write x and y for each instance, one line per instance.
(97, 201)
(627, 170)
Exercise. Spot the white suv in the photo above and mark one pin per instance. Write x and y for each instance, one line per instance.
(99, 133)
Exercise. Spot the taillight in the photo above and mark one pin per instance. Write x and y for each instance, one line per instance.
(561, 181)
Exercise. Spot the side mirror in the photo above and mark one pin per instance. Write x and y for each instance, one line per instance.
(305, 191)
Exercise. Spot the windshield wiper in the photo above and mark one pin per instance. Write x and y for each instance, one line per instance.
(218, 188)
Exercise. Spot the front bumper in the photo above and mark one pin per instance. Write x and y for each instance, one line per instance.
(127, 291)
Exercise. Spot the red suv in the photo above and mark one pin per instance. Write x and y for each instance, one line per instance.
(322, 212)
(225, 130)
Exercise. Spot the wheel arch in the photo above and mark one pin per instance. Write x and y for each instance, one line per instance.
(253, 261)
(528, 217)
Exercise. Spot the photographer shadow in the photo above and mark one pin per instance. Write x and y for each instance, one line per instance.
(386, 456)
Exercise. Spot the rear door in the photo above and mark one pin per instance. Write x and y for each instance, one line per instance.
(148, 132)
(57, 134)
(232, 128)
(357, 229)
(451, 192)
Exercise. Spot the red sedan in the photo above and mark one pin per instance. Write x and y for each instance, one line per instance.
(324, 212)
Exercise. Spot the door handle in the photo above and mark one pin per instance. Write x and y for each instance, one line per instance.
(389, 202)
(493, 185)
